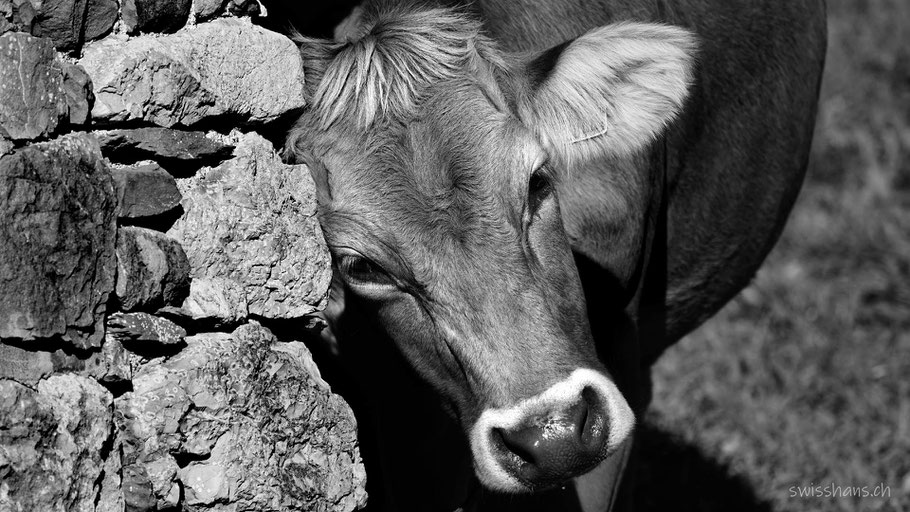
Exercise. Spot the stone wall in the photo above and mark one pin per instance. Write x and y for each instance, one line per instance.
(150, 234)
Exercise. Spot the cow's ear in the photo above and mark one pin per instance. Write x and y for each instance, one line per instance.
(610, 91)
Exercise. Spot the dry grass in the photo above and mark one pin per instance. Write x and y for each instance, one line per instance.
(804, 379)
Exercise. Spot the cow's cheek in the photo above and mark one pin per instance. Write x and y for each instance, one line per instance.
(419, 340)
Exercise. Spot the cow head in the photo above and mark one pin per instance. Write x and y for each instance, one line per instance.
(439, 163)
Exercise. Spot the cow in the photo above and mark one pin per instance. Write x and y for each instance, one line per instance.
(527, 201)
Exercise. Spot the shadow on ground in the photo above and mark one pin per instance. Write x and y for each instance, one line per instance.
(674, 475)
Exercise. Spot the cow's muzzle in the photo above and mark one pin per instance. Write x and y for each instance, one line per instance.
(548, 439)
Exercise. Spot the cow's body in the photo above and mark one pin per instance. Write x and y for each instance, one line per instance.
(699, 209)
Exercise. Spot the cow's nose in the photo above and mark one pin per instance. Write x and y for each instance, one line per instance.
(549, 448)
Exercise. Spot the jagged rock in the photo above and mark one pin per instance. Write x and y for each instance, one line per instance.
(16, 16)
(32, 98)
(252, 220)
(70, 22)
(178, 150)
(31, 366)
(54, 441)
(148, 419)
(110, 495)
(114, 364)
(6, 146)
(24, 366)
(100, 18)
(77, 86)
(152, 269)
(57, 262)
(244, 7)
(228, 67)
(218, 301)
(137, 489)
(145, 329)
(155, 15)
(144, 190)
(261, 429)
(37, 90)
(206, 9)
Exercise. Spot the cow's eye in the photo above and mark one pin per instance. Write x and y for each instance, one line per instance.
(539, 188)
(358, 270)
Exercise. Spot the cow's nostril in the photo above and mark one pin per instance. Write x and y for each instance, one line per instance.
(593, 431)
(583, 426)
(550, 447)
(516, 444)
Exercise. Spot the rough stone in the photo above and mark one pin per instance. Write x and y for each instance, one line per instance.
(144, 190)
(114, 364)
(16, 16)
(217, 301)
(77, 86)
(53, 443)
(110, 495)
(152, 270)
(155, 15)
(252, 220)
(226, 68)
(144, 328)
(24, 366)
(260, 427)
(32, 98)
(179, 151)
(100, 18)
(71, 22)
(6, 146)
(244, 7)
(31, 366)
(57, 262)
(207, 9)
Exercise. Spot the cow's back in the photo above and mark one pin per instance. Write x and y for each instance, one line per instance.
(734, 161)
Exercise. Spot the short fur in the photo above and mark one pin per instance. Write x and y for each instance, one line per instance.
(672, 177)
(617, 101)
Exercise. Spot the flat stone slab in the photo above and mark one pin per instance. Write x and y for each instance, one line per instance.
(145, 329)
(179, 151)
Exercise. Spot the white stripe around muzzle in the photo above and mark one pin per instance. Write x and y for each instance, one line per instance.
(619, 415)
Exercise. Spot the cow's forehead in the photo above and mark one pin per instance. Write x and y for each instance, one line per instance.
(452, 175)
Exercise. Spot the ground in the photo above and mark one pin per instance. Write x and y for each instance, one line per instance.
(803, 381)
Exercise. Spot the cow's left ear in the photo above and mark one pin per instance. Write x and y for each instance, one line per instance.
(610, 91)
